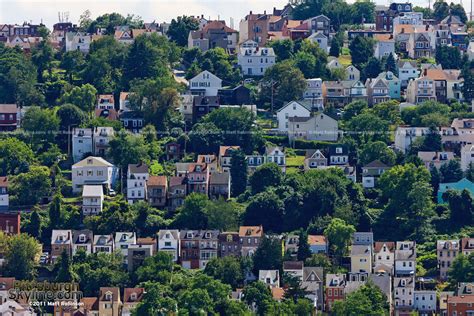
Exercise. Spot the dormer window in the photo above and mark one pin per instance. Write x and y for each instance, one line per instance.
(89, 161)
(108, 296)
(61, 238)
(208, 235)
(189, 235)
(133, 296)
(403, 282)
(82, 238)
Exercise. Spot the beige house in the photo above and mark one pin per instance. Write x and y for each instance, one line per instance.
(109, 301)
(316, 127)
(420, 90)
(384, 257)
(446, 252)
(361, 258)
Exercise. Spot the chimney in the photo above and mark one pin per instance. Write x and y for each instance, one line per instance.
(425, 72)
(427, 27)
(264, 12)
(403, 30)
(250, 13)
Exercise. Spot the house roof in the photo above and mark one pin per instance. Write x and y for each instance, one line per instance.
(3, 182)
(8, 108)
(128, 237)
(305, 105)
(86, 232)
(335, 280)
(219, 178)
(103, 240)
(218, 25)
(378, 245)
(157, 181)
(451, 19)
(435, 74)
(317, 240)
(270, 149)
(251, 231)
(308, 271)
(124, 95)
(127, 294)
(376, 164)
(278, 293)
(465, 243)
(90, 303)
(292, 265)
(225, 150)
(461, 299)
(138, 168)
(175, 181)
(115, 291)
(358, 250)
(203, 158)
(173, 232)
(92, 191)
(110, 114)
(93, 162)
(311, 152)
(384, 37)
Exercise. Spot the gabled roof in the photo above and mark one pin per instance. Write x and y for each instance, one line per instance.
(3, 182)
(199, 76)
(92, 191)
(129, 292)
(86, 232)
(309, 271)
(376, 164)
(225, 150)
(218, 25)
(317, 240)
(251, 231)
(314, 153)
(8, 108)
(378, 245)
(138, 168)
(306, 106)
(115, 291)
(292, 265)
(219, 178)
(157, 181)
(358, 250)
(93, 162)
(451, 19)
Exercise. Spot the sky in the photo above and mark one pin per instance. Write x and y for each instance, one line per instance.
(17, 11)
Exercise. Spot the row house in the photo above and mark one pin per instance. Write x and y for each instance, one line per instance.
(169, 242)
(203, 105)
(214, 34)
(198, 247)
(385, 16)
(405, 258)
(250, 238)
(225, 157)
(229, 244)
(255, 61)
(157, 190)
(272, 155)
(8, 117)
(82, 240)
(334, 94)
(384, 45)
(123, 241)
(92, 199)
(384, 257)
(4, 195)
(421, 90)
(407, 70)
(137, 177)
(90, 141)
(446, 252)
(383, 88)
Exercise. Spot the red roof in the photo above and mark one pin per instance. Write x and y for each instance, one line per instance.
(3, 182)
(157, 181)
(217, 25)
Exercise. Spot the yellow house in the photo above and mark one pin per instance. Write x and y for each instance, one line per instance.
(361, 258)
(109, 301)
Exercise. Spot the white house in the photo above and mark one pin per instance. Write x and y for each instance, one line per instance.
(425, 302)
(105, 102)
(93, 170)
(352, 73)
(102, 137)
(255, 61)
(405, 135)
(123, 240)
(168, 241)
(467, 156)
(333, 63)
(81, 143)
(405, 258)
(291, 109)
(314, 93)
(404, 288)
(270, 277)
(321, 39)
(103, 243)
(384, 46)
(4, 197)
(78, 41)
(384, 257)
(316, 127)
(276, 155)
(205, 83)
(124, 102)
(137, 176)
(407, 70)
(92, 199)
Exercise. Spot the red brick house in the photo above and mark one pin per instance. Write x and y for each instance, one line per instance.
(10, 223)
(8, 117)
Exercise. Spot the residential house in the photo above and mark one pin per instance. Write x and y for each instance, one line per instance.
(89, 306)
(319, 127)
(321, 39)
(338, 155)
(334, 290)
(123, 240)
(270, 277)
(214, 34)
(409, 18)
(208, 246)
(361, 258)
(250, 238)
(255, 61)
(320, 23)
(205, 84)
(318, 244)
(124, 101)
(210, 160)
(357, 91)
(239, 95)
(407, 70)
(461, 185)
(81, 143)
(406, 135)
(333, 63)
(186, 107)
(277, 156)
(137, 253)
(82, 241)
(197, 177)
(467, 156)
(384, 257)
(131, 298)
(189, 245)
(77, 41)
(229, 244)
(446, 251)
(420, 44)
(8, 117)
(203, 105)
(312, 281)
(157, 190)
(176, 192)
(460, 305)
(384, 45)
(169, 242)
(467, 246)
(443, 302)
(314, 158)
(4, 195)
(93, 171)
(435, 158)
(420, 90)
(405, 258)
(132, 121)
(61, 240)
(255, 27)
(291, 109)
(385, 16)
(334, 94)
(103, 243)
(109, 301)
(225, 153)
(440, 82)
(464, 288)
(314, 92)
(363, 238)
(173, 151)
(219, 185)
(371, 172)
(92, 199)
(254, 161)
(123, 35)
(425, 302)
(101, 138)
(454, 84)
(404, 294)
(105, 102)
(137, 177)
(352, 73)
(11, 307)
(10, 223)
(291, 245)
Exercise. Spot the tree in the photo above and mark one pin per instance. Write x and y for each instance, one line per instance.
(268, 255)
(461, 206)
(440, 10)
(227, 269)
(461, 270)
(432, 141)
(372, 68)
(458, 10)
(56, 218)
(127, 149)
(64, 271)
(267, 175)
(391, 64)
(157, 268)
(192, 214)
(258, 293)
(265, 208)
(69, 115)
(30, 187)
(339, 236)
(205, 138)
(451, 171)
(468, 87)
(367, 300)
(35, 226)
(353, 109)
(335, 49)
(21, 253)
(376, 151)
(84, 97)
(72, 62)
(362, 48)
(15, 156)
(41, 126)
(223, 215)
(283, 49)
(304, 251)
(435, 180)
(469, 173)
(363, 12)
(42, 56)
(238, 172)
(449, 57)
(180, 27)
(364, 126)
(287, 81)
(156, 299)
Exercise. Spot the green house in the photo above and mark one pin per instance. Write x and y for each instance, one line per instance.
(463, 184)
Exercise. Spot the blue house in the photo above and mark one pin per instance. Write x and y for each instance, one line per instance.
(461, 185)
(394, 84)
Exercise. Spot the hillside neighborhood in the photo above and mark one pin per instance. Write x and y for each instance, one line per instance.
(311, 159)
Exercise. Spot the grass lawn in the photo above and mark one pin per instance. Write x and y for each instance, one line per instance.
(294, 162)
